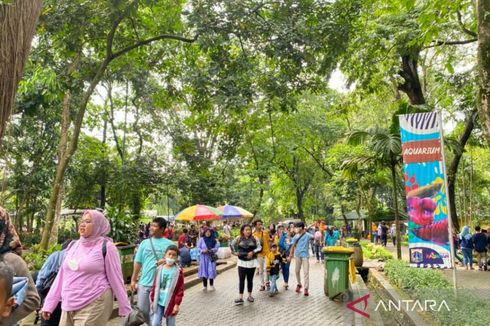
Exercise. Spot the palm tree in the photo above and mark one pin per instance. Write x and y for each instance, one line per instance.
(386, 149)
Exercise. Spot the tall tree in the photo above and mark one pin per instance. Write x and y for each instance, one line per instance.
(18, 22)
(483, 9)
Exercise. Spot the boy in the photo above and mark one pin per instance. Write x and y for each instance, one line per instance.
(274, 260)
(168, 289)
(300, 252)
(6, 300)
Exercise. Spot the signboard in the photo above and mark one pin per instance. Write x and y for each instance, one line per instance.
(427, 206)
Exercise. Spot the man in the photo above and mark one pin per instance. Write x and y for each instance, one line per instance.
(480, 243)
(300, 252)
(263, 237)
(6, 300)
(384, 233)
(150, 254)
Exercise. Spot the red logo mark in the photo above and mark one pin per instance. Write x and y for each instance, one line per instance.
(363, 312)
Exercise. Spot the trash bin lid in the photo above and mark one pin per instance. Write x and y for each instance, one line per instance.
(337, 250)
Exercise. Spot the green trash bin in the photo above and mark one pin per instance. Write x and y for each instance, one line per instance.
(336, 270)
(126, 252)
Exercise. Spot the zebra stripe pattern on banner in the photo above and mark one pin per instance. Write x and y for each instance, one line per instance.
(420, 123)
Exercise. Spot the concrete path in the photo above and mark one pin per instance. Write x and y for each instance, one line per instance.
(287, 308)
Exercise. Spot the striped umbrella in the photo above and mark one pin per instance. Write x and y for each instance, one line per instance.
(198, 213)
(230, 211)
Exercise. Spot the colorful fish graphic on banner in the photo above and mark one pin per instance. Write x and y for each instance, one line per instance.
(428, 232)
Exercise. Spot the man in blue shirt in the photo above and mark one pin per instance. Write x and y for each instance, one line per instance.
(480, 243)
(150, 253)
(300, 252)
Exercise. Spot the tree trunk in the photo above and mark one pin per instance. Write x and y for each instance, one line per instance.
(64, 160)
(483, 18)
(342, 211)
(397, 217)
(411, 85)
(453, 168)
(57, 217)
(17, 27)
(299, 203)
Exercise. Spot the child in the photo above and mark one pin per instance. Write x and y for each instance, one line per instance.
(274, 260)
(168, 289)
(6, 300)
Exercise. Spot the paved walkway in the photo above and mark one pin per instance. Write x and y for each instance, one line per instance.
(287, 308)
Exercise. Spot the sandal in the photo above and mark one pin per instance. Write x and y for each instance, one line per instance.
(250, 299)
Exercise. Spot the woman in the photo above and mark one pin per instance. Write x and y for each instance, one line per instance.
(208, 246)
(466, 247)
(331, 236)
(10, 251)
(88, 281)
(246, 247)
(285, 244)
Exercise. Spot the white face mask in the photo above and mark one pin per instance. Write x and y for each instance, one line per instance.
(170, 261)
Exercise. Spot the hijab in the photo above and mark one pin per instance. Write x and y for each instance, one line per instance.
(211, 240)
(100, 227)
(9, 239)
(465, 233)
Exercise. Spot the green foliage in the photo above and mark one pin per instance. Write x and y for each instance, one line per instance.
(428, 284)
(372, 251)
(123, 226)
(35, 256)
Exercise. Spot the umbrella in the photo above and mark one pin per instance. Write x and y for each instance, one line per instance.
(198, 213)
(230, 211)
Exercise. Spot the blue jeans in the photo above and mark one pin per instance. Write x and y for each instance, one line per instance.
(144, 301)
(467, 256)
(274, 283)
(156, 318)
(285, 271)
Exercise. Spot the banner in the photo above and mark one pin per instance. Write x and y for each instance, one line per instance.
(428, 225)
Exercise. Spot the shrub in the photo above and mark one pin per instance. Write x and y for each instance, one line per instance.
(372, 251)
(35, 256)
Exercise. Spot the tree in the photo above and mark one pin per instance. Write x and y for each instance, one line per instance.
(107, 27)
(18, 22)
(386, 148)
(483, 8)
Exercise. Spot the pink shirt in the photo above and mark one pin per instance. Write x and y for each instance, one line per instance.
(77, 289)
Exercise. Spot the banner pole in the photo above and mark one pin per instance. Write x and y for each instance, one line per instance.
(449, 217)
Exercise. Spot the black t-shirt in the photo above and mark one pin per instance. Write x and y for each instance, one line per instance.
(384, 229)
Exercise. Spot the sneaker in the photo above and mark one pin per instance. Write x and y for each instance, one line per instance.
(238, 301)
(276, 291)
(298, 288)
(250, 299)
(268, 286)
(262, 288)
(204, 289)
(271, 294)
(306, 293)
(212, 288)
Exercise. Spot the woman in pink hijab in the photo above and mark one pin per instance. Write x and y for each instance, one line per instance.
(88, 281)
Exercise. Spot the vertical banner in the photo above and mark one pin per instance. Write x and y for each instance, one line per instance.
(423, 158)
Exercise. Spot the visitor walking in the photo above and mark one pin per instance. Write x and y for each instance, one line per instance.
(318, 245)
(263, 236)
(208, 246)
(285, 244)
(393, 234)
(150, 253)
(300, 252)
(10, 253)
(466, 245)
(274, 260)
(89, 278)
(331, 236)
(384, 234)
(246, 247)
(480, 242)
(168, 289)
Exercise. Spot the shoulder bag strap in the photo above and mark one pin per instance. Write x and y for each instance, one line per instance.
(153, 249)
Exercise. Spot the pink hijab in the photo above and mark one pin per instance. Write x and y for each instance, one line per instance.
(101, 227)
